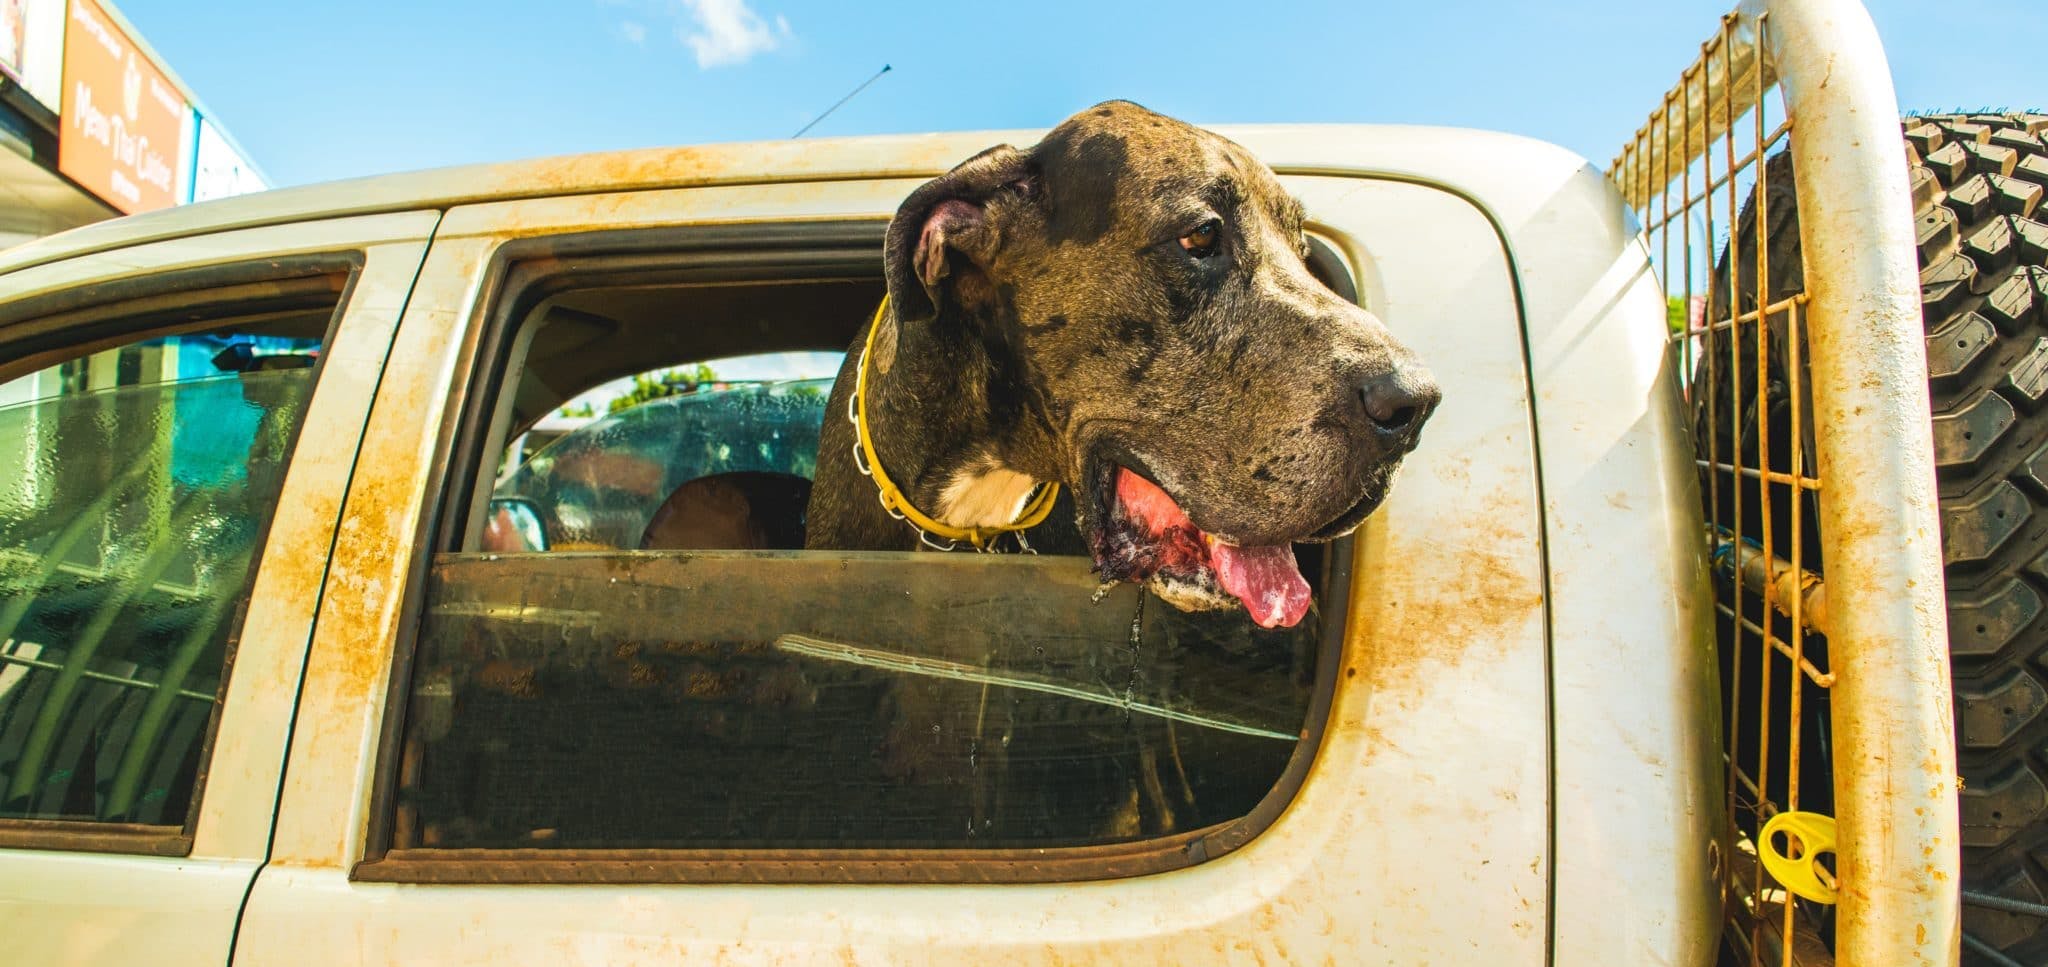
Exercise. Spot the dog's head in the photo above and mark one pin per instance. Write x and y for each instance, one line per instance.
(1206, 397)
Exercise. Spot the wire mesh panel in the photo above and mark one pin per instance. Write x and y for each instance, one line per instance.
(1738, 333)
(1712, 176)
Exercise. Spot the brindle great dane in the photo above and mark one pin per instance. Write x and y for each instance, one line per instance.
(1126, 309)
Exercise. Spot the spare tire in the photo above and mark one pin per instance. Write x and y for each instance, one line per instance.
(1978, 183)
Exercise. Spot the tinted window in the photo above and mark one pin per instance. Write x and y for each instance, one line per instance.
(730, 699)
(135, 485)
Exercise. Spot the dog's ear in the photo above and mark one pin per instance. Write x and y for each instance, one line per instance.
(948, 215)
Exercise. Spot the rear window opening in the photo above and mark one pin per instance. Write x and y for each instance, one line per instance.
(704, 456)
(611, 658)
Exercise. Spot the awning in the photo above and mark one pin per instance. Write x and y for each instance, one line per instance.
(35, 201)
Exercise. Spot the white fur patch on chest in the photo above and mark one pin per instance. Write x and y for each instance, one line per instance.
(984, 494)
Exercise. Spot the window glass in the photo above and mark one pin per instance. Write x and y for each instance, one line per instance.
(631, 649)
(600, 482)
(743, 699)
(135, 485)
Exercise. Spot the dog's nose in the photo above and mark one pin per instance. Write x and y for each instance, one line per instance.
(1398, 402)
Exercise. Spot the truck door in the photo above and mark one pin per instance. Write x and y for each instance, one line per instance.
(178, 421)
(527, 739)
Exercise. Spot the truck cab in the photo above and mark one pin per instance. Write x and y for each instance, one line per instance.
(367, 675)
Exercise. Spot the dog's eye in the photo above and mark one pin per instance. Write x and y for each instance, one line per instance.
(1201, 243)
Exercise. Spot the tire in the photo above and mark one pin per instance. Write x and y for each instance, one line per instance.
(1981, 224)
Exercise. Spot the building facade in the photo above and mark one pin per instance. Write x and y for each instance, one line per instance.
(93, 124)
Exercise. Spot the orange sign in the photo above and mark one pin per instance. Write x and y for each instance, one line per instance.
(123, 121)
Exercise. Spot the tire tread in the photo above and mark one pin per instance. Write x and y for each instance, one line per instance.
(1979, 186)
(1989, 289)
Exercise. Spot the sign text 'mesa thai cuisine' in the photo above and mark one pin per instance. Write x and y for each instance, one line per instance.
(124, 122)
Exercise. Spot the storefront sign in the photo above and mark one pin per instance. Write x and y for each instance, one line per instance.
(123, 122)
(220, 170)
(39, 64)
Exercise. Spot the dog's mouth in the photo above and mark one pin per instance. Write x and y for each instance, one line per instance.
(1143, 535)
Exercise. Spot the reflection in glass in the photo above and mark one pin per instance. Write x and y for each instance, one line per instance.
(725, 699)
(134, 485)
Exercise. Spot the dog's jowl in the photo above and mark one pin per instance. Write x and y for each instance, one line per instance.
(1124, 309)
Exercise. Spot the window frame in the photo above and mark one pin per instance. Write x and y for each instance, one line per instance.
(45, 330)
(522, 272)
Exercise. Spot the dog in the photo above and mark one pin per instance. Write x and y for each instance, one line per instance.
(1125, 310)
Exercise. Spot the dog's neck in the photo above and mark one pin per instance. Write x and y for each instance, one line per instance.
(957, 425)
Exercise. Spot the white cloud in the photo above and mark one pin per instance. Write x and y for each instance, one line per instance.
(727, 32)
(634, 32)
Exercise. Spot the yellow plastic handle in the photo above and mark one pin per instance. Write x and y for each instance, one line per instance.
(1808, 835)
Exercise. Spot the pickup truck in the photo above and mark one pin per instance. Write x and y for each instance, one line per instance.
(328, 639)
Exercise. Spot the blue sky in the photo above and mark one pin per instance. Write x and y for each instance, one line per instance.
(317, 90)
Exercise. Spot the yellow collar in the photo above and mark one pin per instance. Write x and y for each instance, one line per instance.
(893, 499)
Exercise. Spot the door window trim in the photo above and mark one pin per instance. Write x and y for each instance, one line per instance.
(523, 272)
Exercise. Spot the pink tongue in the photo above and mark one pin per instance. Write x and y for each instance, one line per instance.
(1265, 579)
(1147, 504)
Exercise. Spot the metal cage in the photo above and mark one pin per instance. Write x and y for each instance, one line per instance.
(1781, 228)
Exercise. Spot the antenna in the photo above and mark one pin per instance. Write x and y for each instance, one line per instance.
(828, 111)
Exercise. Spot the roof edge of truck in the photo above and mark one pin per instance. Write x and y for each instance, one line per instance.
(763, 162)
